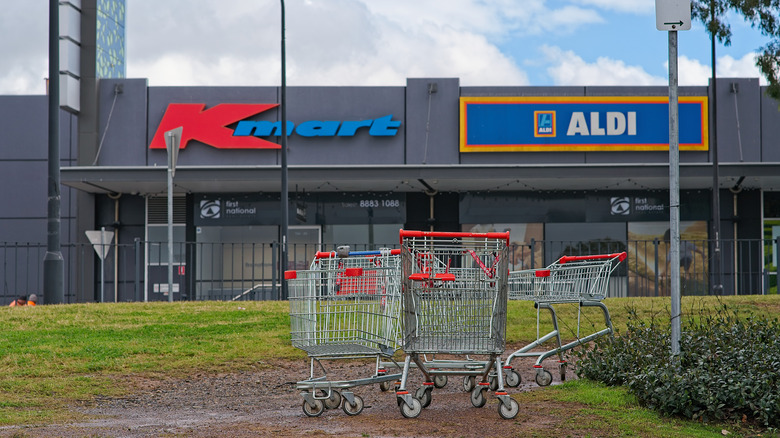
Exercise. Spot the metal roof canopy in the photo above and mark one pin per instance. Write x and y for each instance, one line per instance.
(405, 178)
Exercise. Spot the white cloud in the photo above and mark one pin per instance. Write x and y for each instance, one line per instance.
(633, 6)
(693, 72)
(566, 68)
(744, 67)
(24, 47)
(27, 78)
(328, 43)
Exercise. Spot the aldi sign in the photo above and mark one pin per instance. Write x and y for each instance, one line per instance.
(586, 123)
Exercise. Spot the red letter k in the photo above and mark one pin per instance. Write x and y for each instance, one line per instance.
(210, 126)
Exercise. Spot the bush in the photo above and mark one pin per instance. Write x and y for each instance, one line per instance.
(728, 367)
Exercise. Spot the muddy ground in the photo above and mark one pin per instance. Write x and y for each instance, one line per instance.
(265, 402)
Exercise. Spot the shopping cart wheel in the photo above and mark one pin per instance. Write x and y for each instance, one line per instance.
(313, 411)
(332, 402)
(493, 383)
(425, 395)
(513, 378)
(440, 381)
(563, 371)
(469, 382)
(478, 396)
(385, 386)
(354, 408)
(412, 411)
(508, 413)
(543, 378)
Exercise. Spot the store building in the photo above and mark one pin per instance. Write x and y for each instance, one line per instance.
(565, 169)
(364, 162)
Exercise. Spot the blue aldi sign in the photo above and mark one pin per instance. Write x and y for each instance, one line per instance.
(585, 123)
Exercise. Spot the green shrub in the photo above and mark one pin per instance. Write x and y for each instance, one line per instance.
(728, 366)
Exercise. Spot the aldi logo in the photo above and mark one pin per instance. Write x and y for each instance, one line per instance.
(544, 123)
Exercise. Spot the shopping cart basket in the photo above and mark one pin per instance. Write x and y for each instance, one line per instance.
(571, 279)
(454, 288)
(346, 306)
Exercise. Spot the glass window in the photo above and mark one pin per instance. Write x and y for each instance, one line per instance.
(649, 260)
(583, 239)
(157, 236)
(234, 259)
(360, 237)
(526, 242)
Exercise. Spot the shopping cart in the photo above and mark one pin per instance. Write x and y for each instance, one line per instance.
(571, 279)
(454, 288)
(346, 306)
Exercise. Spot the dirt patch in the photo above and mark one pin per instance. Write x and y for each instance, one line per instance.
(265, 402)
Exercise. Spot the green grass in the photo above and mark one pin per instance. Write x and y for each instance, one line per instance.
(56, 355)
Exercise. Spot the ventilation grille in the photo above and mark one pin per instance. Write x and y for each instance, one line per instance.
(157, 210)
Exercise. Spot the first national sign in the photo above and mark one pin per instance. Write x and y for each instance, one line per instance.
(673, 14)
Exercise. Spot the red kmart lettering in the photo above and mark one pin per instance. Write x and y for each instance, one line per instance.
(210, 126)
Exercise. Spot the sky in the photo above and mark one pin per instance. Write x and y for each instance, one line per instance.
(384, 42)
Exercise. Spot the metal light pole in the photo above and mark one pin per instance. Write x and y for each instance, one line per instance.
(172, 140)
(671, 16)
(53, 264)
(285, 213)
(674, 192)
(717, 287)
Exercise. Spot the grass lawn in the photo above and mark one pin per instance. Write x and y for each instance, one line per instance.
(53, 356)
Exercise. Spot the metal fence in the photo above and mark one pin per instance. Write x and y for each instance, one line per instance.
(250, 271)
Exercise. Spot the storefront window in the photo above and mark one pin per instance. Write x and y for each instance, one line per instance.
(648, 251)
(574, 239)
(526, 247)
(232, 260)
(157, 235)
(360, 237)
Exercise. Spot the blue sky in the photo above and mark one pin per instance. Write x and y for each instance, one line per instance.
(383, 42)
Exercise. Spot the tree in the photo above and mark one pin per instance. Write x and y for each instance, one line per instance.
(761, 14)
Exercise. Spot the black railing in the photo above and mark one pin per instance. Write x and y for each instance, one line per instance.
(250, 271)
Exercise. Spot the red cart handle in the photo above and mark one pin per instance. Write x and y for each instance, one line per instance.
(620, 255)
(411, 233)
(334, 254)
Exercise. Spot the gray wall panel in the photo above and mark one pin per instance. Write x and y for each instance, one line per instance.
(122, 124)
(440, 144)
(739, 123)
(24, 193)
(24, 230)
(23, 127)
(770, 128)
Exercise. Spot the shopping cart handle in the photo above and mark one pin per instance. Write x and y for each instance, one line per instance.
(421, 276)
(379, 252)
(454, 235)
(619, 255)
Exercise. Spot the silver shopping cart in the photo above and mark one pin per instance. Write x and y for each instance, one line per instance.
(571, 279)
(346, 306)
(454, 288)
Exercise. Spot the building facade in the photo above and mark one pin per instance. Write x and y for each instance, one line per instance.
(564, 169)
